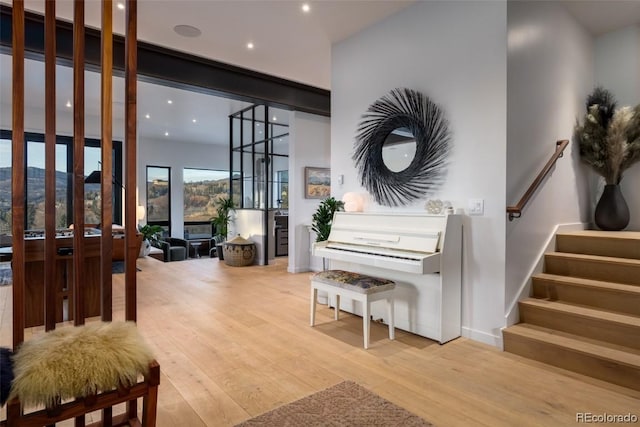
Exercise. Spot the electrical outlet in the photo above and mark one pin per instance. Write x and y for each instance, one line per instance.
(476, 207)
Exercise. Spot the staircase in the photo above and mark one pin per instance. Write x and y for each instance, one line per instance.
(584, 315)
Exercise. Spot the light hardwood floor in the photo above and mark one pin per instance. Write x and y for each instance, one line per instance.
(233, 342)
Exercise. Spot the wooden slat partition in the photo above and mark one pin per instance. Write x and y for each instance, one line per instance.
(18, 180)
(78, 161)
(149, 387)
(50, 167)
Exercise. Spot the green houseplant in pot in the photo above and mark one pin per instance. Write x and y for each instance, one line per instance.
(150, 236)
(224, 206)
(609, 142)
(323, 218)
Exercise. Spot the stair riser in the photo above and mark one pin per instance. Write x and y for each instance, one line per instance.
(621, 302)
(592, 245)
(599, 329)
(620, 374)
(596, 270)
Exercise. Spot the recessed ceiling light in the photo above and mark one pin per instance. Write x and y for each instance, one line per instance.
(169, 101)
(306, 8)
(187, 31)
(275, 119)
(147, 116)
(260, 132)
(120, 6)
(194, 120)
(68, 104)
(166, 134)
(250, 45)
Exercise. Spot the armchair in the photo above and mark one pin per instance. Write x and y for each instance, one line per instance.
(173, 248)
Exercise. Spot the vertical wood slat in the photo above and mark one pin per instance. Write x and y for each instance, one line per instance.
(131, 69)
(106, 249)
(78, 161)
(18, 167)
(106, 144)
(131, 65)
(50, 167)
(78, 169)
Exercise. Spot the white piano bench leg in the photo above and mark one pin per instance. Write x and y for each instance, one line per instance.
(392, 328)
(337, 308)
(314, 297)
(365, 322)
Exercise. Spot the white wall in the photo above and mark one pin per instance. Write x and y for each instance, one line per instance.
(550, 65)
(617, 68)
(309, 145)
(177, 155)
(455, 53)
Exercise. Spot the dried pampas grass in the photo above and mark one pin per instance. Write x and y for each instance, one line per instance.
(79, 361)
(609, 139)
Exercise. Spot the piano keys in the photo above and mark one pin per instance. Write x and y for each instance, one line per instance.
(421, 253)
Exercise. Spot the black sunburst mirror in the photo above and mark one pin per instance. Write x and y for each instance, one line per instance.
(410, 113)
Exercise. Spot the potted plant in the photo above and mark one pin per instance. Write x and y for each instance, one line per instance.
(609, 142)
(224, 206)
(150, 236)
(323, 218)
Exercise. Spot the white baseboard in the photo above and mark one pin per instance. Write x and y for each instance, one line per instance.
(483, 337)
(512, 315)
(295, 270)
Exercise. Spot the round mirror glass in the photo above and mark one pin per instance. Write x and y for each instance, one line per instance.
(399, 149)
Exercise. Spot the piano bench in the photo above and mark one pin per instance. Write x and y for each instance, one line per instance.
(358, 287)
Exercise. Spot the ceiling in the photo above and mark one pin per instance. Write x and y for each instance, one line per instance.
(603, 16)
(226, 27)
(288, 43)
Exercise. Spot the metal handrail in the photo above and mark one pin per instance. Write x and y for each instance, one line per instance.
(516, 211)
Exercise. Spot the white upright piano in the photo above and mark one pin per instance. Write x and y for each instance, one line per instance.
(421, 253)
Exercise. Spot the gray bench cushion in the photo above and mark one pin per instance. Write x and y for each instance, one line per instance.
(355, 282)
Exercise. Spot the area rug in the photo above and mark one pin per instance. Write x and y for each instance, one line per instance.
(117, 267)
(344, 404)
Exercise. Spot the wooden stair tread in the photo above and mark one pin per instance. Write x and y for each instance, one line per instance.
(589, 283)
(624, 235)
(595, 258)
(599, 349)
(586, 312)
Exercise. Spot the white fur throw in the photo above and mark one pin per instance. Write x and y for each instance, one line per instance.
(78, 361)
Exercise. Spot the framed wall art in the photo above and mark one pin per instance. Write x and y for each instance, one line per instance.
(317, 183)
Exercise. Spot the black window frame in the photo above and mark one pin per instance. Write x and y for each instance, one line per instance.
(165, 224)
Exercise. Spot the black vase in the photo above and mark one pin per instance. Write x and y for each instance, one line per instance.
(612, 212)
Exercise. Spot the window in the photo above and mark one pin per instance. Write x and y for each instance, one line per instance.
(159, 197)
(5, 186)
(202, 187)
(282, 189)
(35, 188)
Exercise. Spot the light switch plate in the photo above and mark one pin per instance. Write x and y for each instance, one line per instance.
(475, 207)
